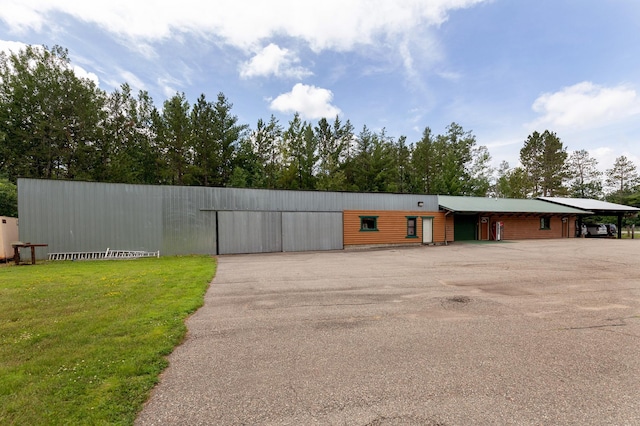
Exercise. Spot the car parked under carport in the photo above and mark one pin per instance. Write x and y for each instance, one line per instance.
(596, 230)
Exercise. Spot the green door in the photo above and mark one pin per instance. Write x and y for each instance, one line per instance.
(464, 227)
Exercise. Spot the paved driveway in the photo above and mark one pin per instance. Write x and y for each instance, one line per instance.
(527, 333)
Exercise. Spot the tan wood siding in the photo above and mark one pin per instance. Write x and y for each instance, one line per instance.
(449, 228)
(392, 227)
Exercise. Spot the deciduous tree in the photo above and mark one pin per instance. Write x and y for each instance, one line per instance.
(8, 198)
(50, 118)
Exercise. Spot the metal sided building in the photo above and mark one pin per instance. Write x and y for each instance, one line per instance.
(73, 216)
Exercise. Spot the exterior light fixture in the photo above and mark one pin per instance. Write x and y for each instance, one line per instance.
(420, 203)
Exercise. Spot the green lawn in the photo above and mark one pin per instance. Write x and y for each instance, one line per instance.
(84, 342)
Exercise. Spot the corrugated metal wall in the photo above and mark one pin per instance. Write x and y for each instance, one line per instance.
(91, 216)
(249, 232)
(81, 216)
(186, 229)
(302, 231)
(264, 232)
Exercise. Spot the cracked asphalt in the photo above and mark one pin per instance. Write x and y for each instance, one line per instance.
(511, 333)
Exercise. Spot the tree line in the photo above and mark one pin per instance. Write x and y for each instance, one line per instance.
(56, 125)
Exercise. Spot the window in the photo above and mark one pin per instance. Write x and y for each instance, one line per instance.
(545, 222)
(411, 227)
(368, 223)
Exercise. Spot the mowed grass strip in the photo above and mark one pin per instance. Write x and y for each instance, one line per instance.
(84, 342)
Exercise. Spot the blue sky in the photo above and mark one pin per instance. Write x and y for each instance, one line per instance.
(499, 68)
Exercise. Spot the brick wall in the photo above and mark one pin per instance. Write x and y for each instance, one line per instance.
(521, 227)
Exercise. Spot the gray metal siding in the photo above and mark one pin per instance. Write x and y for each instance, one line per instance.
(311, 201)
(186, 229)
(249, 232)
(91, 216)
(84, 216)
(307, 231)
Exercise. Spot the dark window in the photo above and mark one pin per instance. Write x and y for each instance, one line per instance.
(411, 227)
(545, 223)
(368, 223)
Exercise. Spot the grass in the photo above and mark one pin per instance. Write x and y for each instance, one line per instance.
(85, 342)
(628, 236)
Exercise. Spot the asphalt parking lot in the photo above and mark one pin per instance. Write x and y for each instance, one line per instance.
(513, 333)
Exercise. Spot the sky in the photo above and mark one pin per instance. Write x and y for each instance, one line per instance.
(501, 69)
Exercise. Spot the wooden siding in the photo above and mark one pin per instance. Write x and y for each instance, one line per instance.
(527, 227)
(450, 229)
(392, 227)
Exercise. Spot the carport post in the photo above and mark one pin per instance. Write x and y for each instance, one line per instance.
(619, 225)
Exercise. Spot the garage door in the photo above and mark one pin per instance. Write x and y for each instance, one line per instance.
(309, 231)
(249, 232)
(464, 227)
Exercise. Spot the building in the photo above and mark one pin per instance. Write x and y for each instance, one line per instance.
(478, 218)
(597, 207)
(72, 216)
(90, 216)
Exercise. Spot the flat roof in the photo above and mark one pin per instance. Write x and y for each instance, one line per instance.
(463, 204)
(591, 205)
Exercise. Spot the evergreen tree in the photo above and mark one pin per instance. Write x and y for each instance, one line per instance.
(543, 159)
(585, 178)
(226, 136)
(426, 163)
(512, 183)
(300, 155)
(130, 153)
(205, 145)
(174, 134)
(622, 178)
(266, 143)
(403, 153)
(333, 146)
(480, 172)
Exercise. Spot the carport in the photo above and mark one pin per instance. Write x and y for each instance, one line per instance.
(597, 207)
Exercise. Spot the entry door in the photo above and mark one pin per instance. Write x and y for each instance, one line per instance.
(484, 229)
(427, 230)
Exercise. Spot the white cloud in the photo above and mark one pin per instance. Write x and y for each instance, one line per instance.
(449, 75)
(310, 101)
(168, 85)
(586, 105)
(11, 46)
(16, 46)
(243, 23)
(22, 16)
(276, 61)
(607, 156)
(132, 80)
(82, 73)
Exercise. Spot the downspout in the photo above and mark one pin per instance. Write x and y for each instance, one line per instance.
(445, 227)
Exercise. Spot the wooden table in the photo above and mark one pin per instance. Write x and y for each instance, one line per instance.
(18, 246)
